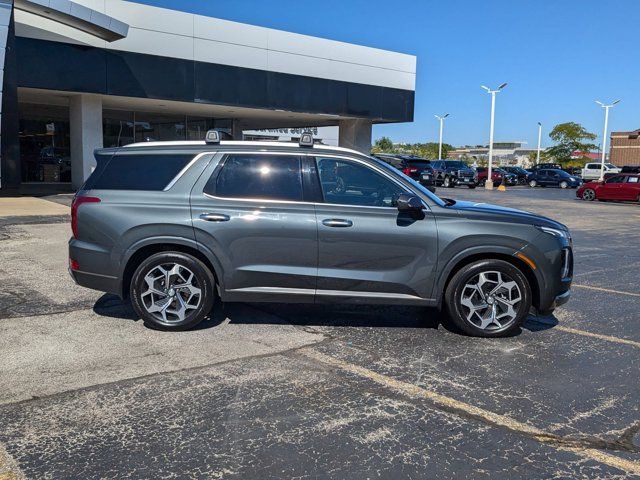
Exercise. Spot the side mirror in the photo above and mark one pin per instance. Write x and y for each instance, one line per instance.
(410, 204)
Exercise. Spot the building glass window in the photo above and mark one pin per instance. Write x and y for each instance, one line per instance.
(159, 127)
(117, 127)
(45, 145)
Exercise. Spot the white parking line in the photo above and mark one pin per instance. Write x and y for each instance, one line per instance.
(409, 389)
(608, 290)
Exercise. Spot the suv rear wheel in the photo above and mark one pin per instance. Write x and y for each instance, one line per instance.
(488, 298)
(172, 291)
(447, 183)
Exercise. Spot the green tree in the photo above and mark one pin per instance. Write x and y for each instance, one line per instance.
(429, 150)
(383, 144)
(569, 137)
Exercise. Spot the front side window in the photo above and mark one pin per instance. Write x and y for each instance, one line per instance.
(351, 183)
(273, 177)
(616, 180)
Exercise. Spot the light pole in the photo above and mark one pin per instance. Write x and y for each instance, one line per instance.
(539, 141)
(604, 134)
(441, 118)
(489, 182)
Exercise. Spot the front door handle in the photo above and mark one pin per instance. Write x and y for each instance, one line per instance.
(337, 222)
(214, 217)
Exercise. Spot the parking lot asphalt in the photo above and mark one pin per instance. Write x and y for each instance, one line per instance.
(302, 391)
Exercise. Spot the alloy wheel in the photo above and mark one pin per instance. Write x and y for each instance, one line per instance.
(589, 195)
(491, 300)
(172, 291)
(533, 183)
(564, 184)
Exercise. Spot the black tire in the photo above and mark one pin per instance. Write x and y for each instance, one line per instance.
(458, 313)
(447, 182)
(589, 195)
(202, 278)
(471, 187)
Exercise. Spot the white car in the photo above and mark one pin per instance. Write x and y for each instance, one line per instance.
(591, 171)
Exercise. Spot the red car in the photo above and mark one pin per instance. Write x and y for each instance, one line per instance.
(483, 172)
(618, 187)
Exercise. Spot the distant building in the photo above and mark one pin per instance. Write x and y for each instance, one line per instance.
(625, 148)
(504, 153)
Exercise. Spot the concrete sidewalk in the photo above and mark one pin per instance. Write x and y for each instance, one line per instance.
(31, 207)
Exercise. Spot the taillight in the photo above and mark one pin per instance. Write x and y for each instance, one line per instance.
(410, 170)
(77, 201)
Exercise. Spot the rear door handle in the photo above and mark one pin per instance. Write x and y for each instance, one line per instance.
(337, 222)
(214, 217)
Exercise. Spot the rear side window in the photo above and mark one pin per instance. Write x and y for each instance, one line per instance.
(138, 172)
(273, 177)
(633, 179)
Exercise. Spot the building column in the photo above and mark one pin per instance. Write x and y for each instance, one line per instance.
(85, 115)
(355, 134)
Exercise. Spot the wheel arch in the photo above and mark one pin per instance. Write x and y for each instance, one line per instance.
(459, 262)
(137, 253)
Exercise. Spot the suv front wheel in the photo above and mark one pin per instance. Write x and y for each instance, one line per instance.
(488, 298)
(172, 291)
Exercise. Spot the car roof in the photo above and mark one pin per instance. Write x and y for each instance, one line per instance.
(202, 146)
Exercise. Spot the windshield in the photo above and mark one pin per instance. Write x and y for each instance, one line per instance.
(610, 165)
(416, 185)
(454, 164)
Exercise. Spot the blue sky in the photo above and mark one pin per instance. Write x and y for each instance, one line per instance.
(558, 57)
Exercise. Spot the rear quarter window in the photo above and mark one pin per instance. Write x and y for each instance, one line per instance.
(137, 172)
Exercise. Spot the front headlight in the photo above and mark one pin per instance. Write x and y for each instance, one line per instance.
(563, 234)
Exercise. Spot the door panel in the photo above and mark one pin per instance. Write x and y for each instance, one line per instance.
(267, 247)
(367, 250)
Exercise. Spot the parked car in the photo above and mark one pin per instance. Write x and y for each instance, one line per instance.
(619, 187)
(509, 179)
(591, 171)
(418, 168)
(175, 226)
(630, 169)
(483, 173)
(450, 173)
(519, 172)
(553, 178)
(546, 166)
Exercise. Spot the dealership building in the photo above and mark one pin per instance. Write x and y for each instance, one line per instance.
(85, 74)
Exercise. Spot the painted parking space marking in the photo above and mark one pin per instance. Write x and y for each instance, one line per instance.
(599, 336)
(466, 409)
(607, 290)
(8, 467)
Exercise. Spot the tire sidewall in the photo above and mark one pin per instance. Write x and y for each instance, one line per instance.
(203, 275)
(459, 280)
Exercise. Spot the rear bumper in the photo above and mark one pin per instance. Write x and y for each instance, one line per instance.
(91, 259)
(95, 281)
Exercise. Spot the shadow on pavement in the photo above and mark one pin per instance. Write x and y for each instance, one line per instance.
(364, 316)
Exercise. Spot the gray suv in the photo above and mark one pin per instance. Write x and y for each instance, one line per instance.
(171, 224)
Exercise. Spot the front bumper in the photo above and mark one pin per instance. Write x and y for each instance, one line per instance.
(557, 301)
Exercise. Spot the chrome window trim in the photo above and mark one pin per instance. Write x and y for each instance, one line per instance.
(184, 170)
(301, 202)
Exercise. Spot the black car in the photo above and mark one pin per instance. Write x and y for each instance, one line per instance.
(450, 173)
(418, 168)
(510, 179)
(553, 177)
(520, 173)
(630, 169)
